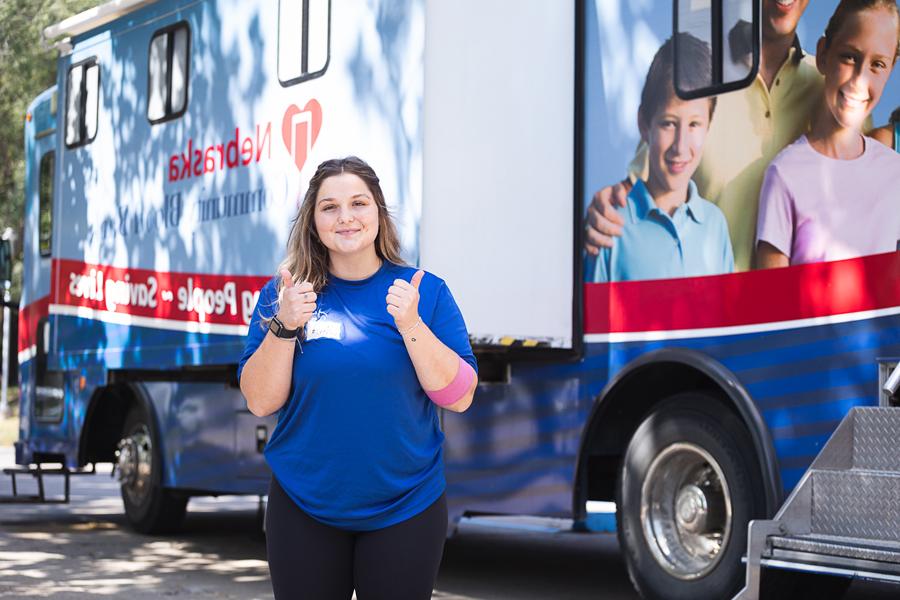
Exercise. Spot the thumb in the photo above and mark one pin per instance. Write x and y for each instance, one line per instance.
(286, 279)
(417, 278)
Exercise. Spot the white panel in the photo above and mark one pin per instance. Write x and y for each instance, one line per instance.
(290, 39)
(498, 202)
(156, 107)
(73, 106)
(179, 70)
(318, 35)
(92, 103)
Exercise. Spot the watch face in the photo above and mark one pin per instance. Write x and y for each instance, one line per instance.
(278, 328)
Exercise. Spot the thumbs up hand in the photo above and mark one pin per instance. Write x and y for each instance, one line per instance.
(403, 301)
(296, 302)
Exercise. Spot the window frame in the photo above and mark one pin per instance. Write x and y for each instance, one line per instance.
(82, 104)
(304, 52)
(49, 155)
(169, 31)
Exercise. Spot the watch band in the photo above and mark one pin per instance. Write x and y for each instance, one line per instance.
(278, 328)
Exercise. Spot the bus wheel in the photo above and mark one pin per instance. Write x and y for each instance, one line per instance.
(688, 488)
(149, 507)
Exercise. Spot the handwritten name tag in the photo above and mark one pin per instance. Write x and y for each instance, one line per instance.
(324, 328)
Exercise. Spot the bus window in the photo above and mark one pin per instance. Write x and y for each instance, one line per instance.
(167, 87)
(728, 29)
(45, 203)
(82, 102)
(303, 54)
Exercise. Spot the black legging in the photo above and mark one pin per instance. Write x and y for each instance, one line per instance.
(311, 560)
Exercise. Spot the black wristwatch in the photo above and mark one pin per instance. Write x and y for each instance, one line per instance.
(278, 328)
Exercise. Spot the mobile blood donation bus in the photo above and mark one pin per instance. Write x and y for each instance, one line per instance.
(665, 375)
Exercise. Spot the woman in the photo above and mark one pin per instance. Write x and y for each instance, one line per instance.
(357, 494)
(832, 194)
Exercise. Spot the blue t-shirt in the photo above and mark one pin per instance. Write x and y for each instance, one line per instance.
(358, 443)
(694, 241)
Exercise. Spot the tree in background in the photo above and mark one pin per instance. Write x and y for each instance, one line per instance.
(27, 67)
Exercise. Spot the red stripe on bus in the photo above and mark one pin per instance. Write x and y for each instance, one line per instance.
(198, 297)
(750, 298)
(28, 321)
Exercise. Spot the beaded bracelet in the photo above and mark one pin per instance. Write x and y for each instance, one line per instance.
(418, 321)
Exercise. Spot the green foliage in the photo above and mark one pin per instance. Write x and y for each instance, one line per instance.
(27, 67)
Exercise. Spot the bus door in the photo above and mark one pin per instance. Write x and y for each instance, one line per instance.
(42, 389)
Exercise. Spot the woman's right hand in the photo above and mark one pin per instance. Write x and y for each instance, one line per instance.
(602, 222)
(296, 302)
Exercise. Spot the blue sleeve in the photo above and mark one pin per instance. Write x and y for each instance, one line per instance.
(266, 307)
(448, 325)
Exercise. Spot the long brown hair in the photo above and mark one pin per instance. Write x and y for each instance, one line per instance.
(851, 7)
(307, 256)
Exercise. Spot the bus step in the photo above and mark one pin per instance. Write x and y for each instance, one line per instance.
(39, 472)
(841, 519)
(835, 556)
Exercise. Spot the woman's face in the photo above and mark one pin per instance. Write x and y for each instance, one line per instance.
(857, 65)
(346, 216)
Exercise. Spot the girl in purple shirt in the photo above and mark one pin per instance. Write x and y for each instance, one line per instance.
(833, 193)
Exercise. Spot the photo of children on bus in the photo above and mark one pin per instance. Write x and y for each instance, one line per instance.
(790, 170)
(671, 231)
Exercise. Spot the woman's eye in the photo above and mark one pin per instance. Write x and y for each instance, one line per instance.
(359, 203)
(327, 207)
(848, 58)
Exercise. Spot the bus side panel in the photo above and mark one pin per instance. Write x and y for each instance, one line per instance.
(172, 228)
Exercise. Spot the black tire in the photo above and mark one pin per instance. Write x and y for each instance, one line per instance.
(675, 441)
(149, 507)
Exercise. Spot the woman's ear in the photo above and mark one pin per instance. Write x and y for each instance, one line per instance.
(821, 50)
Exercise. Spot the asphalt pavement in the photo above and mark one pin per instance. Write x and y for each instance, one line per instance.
(85, 549)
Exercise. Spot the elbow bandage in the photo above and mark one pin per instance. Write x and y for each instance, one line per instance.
(457, 388)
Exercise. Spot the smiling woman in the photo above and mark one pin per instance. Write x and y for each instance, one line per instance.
(357, 498)
(347, 222)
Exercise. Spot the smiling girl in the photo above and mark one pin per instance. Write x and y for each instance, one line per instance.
(832, 194)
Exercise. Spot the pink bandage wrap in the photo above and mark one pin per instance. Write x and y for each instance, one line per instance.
(457, 388)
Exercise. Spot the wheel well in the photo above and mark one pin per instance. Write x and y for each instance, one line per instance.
(634, 393)
(103, 423)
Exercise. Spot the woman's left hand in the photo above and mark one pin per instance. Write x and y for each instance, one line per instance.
(403, 301)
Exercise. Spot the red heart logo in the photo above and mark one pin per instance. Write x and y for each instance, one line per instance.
(299, 130)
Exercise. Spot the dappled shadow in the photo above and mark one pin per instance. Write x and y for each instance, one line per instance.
(217, 555)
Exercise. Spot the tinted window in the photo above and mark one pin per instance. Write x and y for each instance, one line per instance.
(167, 88)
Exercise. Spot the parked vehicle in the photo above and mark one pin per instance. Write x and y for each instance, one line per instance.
(163, 171)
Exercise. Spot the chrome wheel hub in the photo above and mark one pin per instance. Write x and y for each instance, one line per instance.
(134, 455)
(686, 511)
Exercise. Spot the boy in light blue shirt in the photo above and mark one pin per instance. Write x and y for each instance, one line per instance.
(670, 230)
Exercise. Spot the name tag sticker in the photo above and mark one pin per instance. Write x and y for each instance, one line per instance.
(324, 328)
